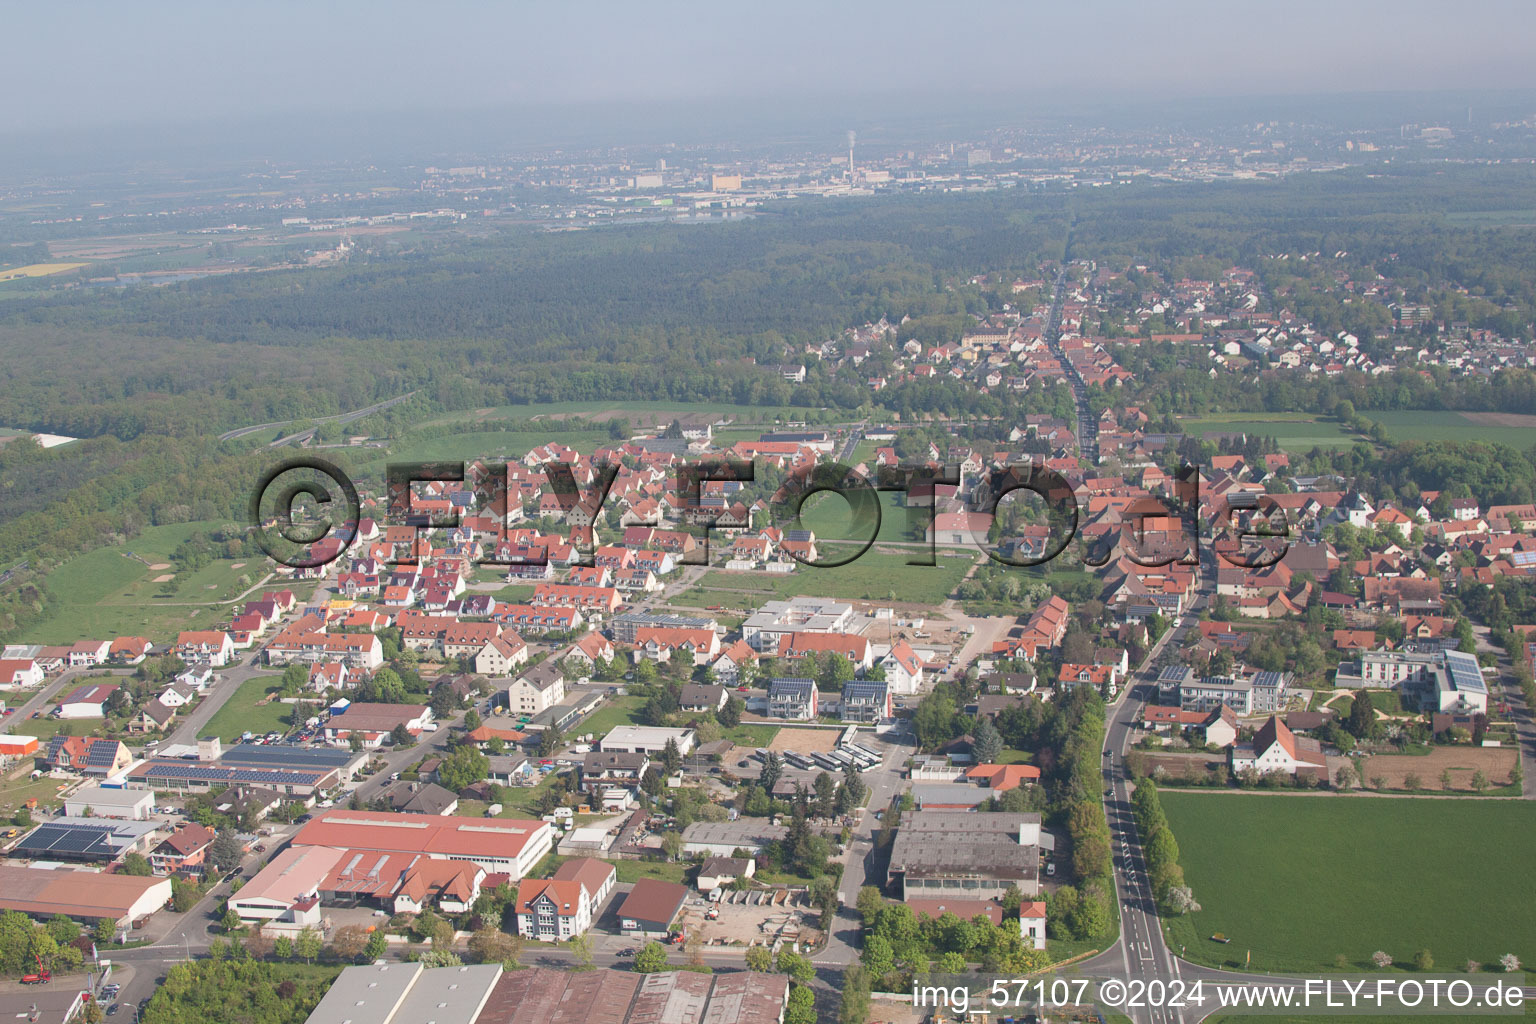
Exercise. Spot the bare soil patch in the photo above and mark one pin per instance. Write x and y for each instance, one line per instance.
(805, 741)
(1494, 762)
(1501, 419)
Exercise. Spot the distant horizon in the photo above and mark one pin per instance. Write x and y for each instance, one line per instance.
(95, 64)
(892, 119)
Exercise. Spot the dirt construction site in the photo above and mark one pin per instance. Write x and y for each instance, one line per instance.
(762, 917)
(805, 741)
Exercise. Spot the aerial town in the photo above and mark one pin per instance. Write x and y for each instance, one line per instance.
(877, 514)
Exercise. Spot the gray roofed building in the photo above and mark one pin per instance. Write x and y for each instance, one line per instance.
(723, 838)
(259, 755)
(793, 699)
(777, 619)
(699, 697)
(407, 994)
(965, 855)
(428, 798)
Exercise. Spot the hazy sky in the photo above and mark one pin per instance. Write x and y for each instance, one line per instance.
(67, 66)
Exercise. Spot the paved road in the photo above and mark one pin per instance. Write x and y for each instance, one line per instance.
(1087, 424)
(843, 944)
(16, 722)
(345, 417)
(1141, 953)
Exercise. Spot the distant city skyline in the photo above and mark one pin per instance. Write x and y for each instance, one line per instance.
(78, 67)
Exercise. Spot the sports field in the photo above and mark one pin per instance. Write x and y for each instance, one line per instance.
(1299, 880)
(1293, 431)
(874, 576)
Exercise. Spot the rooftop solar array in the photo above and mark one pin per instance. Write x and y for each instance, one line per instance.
(101, 755)
(84, 838)
(233, 774)
(1466, 675)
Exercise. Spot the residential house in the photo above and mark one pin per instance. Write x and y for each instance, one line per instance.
(205, 647)
(867, 700)
(184, 851)
(793, 699)
(696, 698)
(537, 689)
(501, 655)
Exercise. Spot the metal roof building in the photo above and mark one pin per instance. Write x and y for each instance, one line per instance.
(407, 994)
(86, 895)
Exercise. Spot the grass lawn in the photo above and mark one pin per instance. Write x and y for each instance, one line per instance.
(634, 870)
(514, 593)
(1299, 880)
(750, 735)
(1293, 431)
(19, 789)
(615, 711)
(874, 576)
(241, 713)
(107, 592)
(830, 517)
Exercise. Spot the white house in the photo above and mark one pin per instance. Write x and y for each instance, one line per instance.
(903, 669)
(1276, 749)
(564, 906)
(1032, 924)
(16, 673)
(501, 655)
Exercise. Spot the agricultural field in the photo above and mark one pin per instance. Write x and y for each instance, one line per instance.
(1293, 431)
(1300, 880)
(1444, 425)
(37, 270)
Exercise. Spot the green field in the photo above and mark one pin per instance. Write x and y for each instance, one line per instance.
(615, 711)
(1293, 431)
(241, 713)
(1299, 880)
(107, 592)
(874, 576)
(830, 517)
(1445, 425)
(739, 413)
